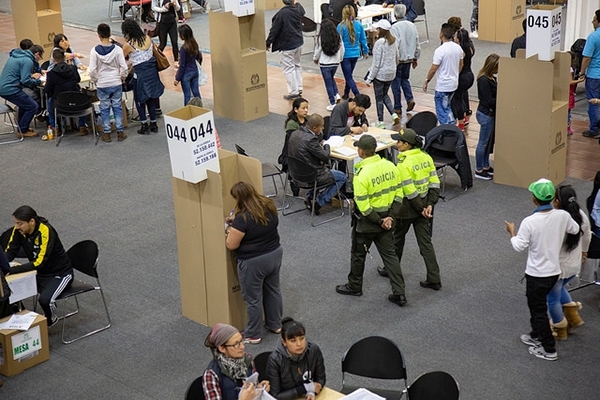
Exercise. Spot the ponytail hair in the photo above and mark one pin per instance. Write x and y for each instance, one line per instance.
(567, 200)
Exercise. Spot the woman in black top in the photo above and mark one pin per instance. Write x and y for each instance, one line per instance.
(167, 23)
(253, 236)
(296, 368)
(460, 100)
(486, 116)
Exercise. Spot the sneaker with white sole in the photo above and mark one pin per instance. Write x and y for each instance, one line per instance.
(330, 107)
(252, 340)
(539, 352)
(483, 175)
(528, 340)
(338, 98)
(395, 118)
(474, 35)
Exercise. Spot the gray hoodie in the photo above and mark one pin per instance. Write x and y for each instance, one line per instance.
(107, 66)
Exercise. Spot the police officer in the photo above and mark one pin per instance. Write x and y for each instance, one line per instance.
(421, 190)
(377, 196)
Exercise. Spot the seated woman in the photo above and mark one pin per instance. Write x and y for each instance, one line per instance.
(225, 375)
(296, 368)
(295, 119)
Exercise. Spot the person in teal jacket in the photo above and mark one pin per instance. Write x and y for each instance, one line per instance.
(18, 73)
(355, 41)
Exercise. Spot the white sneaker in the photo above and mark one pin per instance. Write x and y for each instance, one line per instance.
(206, 6)
(330, 107)
(528, 340)
(474, 35)
(539, 352)
(395, 118)
(338, 98)
(381, 125)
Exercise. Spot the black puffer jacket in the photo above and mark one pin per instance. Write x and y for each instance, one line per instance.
(286, 28)
(62, 78)
(287, 377)
(304, 145)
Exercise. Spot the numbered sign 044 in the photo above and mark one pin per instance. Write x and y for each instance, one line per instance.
(544, 28)
(191, 136)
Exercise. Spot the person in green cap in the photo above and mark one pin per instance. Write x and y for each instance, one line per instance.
(543, 233)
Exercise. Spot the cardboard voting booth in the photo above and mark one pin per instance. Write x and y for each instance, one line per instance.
(239, 65)
(186, 9)
(210, 289)
(544, 27)
(240, 8)
(501, 20)
(38, 20)
(269, 4)
(20, 350)
(531, 120)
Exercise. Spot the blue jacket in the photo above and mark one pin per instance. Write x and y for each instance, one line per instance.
(353, 50)
(17, 72)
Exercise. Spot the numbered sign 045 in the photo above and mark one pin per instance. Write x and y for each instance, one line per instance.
(191, 136)
(544, 28)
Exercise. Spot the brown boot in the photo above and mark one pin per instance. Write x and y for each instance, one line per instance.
(121, 136)
(572, 314)
(106, 138)
(559, 330)
(83, 130)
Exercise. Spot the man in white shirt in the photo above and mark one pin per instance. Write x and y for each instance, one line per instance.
(543, 233)
(447, 63)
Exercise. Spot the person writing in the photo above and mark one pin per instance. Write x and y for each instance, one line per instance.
(348, 116)
(46, 255)
(296, 368)
(253, 236)
(226, 373)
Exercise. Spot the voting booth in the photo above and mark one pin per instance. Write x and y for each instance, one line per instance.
(38, 20)
(500, 20)
(210, 289)
(531, 119)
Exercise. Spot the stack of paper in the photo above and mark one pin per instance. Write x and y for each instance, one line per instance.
(346, 151)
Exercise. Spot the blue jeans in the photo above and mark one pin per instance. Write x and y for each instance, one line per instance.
(443, 108)
(402, 84)
(381, 89)
(64, 121)
(327, 194)
(27, 108)
(482, 154)
(592, 91)
(111, 97)
(328, 74)
(189, 85)
(557, 297)
(348, 65)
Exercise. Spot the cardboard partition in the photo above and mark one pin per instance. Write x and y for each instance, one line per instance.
(544, 27)
(191, 136)
(210, 290)
(38, 20)
(501, 20)
(185, 8)
(22, 286)
(268, 4)
(21, 350)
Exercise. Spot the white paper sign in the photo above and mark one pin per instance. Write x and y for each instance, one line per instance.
(544, 25)
(22, 286)
(26, 343)
(240, 8)
(191, 136)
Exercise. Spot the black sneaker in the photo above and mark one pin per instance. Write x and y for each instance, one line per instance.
(383, 272)
(483, 175)
(399, 299)
(308, 204)
(490, 171)
(429, 285)
(345, 289)
(591, 134)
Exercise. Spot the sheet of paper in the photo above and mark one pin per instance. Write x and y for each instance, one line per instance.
(335, 141)
(363, 394)
(346, 151)
(19, 322)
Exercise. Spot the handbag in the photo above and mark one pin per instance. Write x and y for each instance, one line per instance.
(202, 76)
(161, 60)
(152, 32)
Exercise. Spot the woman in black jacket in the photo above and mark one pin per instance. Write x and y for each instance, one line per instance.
(487, 88)
(296, 368)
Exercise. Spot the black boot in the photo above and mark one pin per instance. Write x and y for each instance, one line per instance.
(124, 9)
(143, 129)
(153, 127)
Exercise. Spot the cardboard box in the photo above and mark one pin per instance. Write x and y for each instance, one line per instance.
(190, 133)
(501, 20)
(38, 20)
(22, 286)
(268, 4)
(544, 27)
(240, 8)
(210, 289)
(21, 350)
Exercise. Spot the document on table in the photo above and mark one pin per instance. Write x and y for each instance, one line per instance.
(20, 322)
(345, 151)
(335, 141)
(362, 394)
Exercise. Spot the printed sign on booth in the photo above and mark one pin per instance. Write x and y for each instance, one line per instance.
(191, 136)
(544, 27)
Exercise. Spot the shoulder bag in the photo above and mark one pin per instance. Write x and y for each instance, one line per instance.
(161, 60)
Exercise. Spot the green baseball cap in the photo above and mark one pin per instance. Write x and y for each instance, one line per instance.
(366, 142)
(542, 189)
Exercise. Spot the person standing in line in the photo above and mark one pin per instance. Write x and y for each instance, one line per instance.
(563, 310)
(460, 99)
(355, 45)
(377, 199)
(167, 24)
(447, 63)
(286, 37)
(593, 205)
(252, 234)
(108, 69)
(475, 20)
(487, 87)
(543, 233)
(383, 70)
(46, 254)
(590, 67)
(421, 191)
(187, 73)
(407, 38)
(329, 52)
(519, 42)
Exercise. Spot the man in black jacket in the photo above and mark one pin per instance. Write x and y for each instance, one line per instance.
(304, 145)
(286, 36)
(355, 108)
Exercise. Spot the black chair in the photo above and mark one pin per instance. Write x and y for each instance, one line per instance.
(378, 358)
(45, 65)
(73, 105)
(325, 11)
(419, 6)
(269, 170)
(588, 275)
(326, 123)
(310, 29)
(305, 177)
(10, 119)
(195, 391)
(436, 385)
(84, 259)
(260, 362)
(422, 122)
